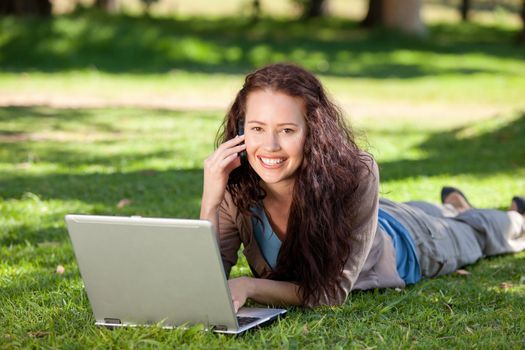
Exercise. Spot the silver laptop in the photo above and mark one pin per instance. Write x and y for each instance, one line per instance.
(147, 271)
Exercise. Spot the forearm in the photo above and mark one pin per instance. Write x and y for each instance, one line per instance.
(217, 168)
(211, 214)
(270, 292)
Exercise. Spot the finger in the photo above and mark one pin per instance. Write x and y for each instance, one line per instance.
(231, 142)
(234, 150)
(227, 156)
(222, 168)
(234, 164)
(236, 305)
(224, 151)
(228, 161)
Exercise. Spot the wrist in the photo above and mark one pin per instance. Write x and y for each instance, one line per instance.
(249, 286)
(208, 211)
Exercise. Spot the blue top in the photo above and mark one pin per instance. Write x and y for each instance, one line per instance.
(406, 258)
(268, 242)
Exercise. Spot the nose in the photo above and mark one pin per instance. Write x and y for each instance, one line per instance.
(271, 142)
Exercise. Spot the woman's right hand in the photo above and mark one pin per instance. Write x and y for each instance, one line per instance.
(217, 169)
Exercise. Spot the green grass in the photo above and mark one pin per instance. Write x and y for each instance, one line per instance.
(59, 161)
(54, 162)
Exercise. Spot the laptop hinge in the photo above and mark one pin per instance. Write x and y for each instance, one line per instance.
(112, 320)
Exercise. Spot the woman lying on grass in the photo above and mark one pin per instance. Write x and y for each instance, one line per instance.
(305, 204)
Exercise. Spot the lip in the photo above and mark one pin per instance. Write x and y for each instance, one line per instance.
(271, 166)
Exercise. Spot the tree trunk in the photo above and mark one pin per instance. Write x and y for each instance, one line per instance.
(521, 35)
(404, 15)
(314, 8)
(146, 5)
(256, 10)
(374, 15)
(464, 10)
(25, 7)
(107, 5)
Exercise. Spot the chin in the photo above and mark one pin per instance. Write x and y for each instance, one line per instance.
(273, 179)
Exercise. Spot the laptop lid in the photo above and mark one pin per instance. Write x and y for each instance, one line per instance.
(140, 271)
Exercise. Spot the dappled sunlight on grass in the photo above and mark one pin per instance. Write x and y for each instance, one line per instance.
(30, 219)
(486, 160)
(494, 146)
(148, 162)
(94, 141)
(11, 272)
(484, 191)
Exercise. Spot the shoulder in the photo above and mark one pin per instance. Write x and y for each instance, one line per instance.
(369, 163)
(369, 175)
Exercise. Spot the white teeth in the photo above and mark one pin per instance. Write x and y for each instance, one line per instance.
(272, 161)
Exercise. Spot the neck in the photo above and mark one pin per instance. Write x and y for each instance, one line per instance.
(280, 192)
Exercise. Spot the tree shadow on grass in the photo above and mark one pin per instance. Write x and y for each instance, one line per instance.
(35, 118)
(455, 152)
(144, 45)
(93, 176)
(31, 119)
(171, 193)
(115, 138)
(176, 192)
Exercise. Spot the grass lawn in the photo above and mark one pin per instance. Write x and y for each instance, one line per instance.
(447, 110)
(54, 162)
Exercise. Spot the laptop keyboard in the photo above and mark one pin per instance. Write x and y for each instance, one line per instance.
(243, 321)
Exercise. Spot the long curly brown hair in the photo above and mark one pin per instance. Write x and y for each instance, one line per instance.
(321, 220)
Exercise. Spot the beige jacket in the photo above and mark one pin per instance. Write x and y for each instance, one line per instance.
(371, 263)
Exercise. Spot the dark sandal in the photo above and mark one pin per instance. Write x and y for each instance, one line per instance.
(520, 204)
(445, 191)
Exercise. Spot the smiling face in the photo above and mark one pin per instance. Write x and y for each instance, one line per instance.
(275, 132)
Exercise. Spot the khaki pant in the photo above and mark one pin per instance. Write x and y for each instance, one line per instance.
(447, 240)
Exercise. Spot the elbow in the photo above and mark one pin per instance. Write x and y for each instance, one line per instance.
(338, 299)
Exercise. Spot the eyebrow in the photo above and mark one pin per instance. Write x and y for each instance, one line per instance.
(280, 124)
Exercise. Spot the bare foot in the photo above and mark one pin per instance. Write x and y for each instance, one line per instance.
(457, 201)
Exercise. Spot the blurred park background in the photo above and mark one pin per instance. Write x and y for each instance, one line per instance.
(111, 106)
(171, 53)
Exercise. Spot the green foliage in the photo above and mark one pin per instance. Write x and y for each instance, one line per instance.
(333, 47)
